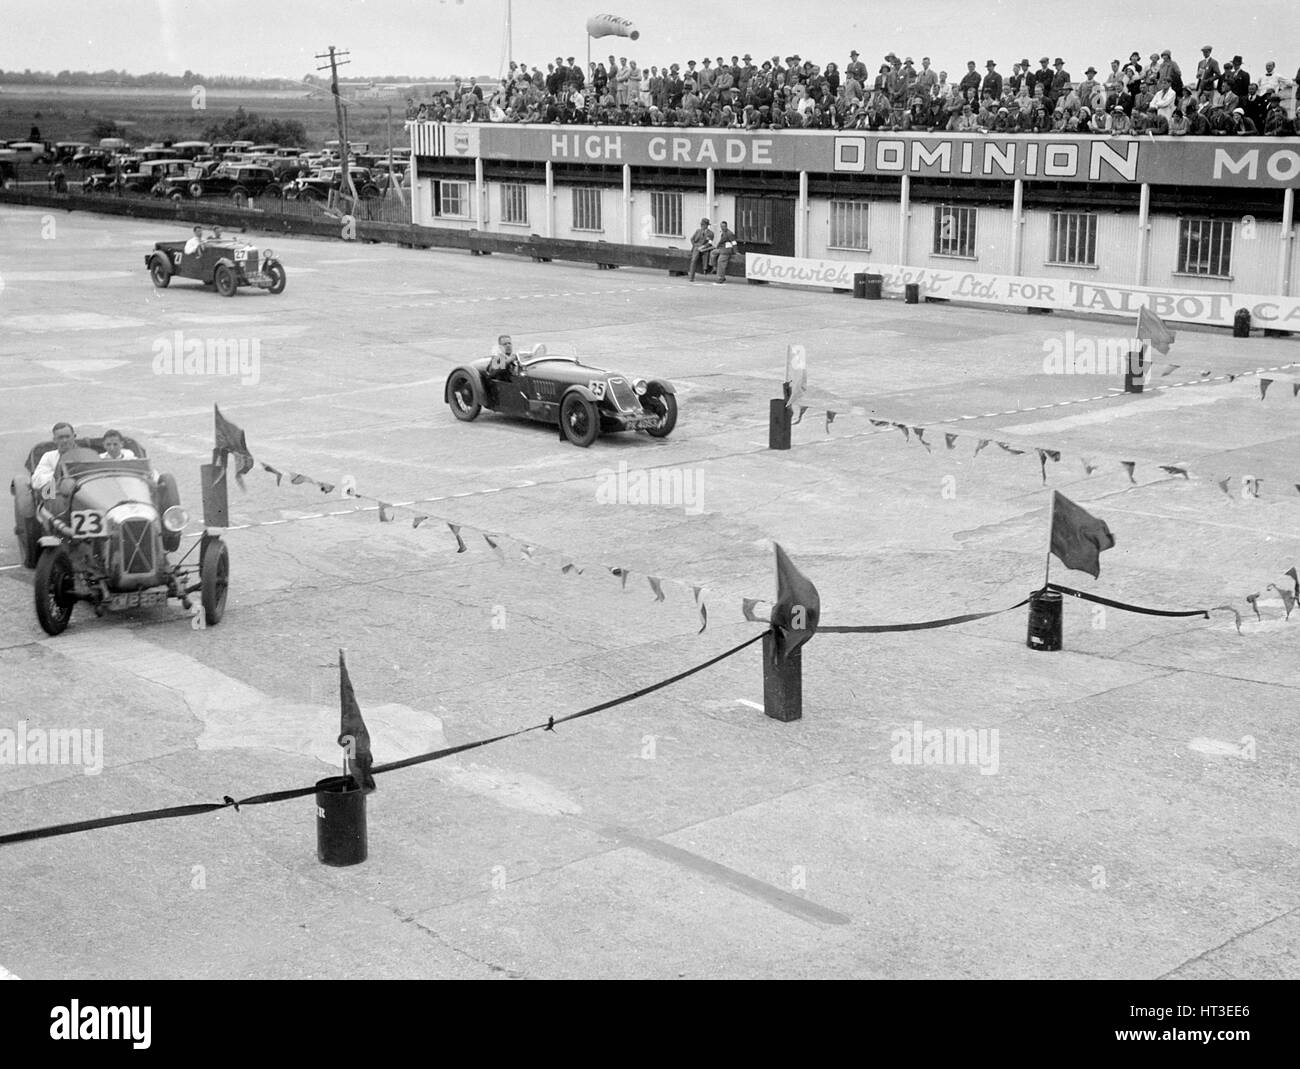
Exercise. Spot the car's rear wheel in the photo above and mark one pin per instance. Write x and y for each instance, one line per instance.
(225, 280)
(196, 190)
(54, 596)
(214, 579)
(278, 277)
(665, 405)
(176, 196)
(579, 420)
(160, 271)
(460, 396)
(168, 496)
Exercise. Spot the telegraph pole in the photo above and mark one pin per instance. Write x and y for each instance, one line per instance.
(345, 179)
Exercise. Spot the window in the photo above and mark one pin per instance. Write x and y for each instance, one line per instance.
(586, 209)
(754, 220)
(954, 231)
(666, 210)
(1205, 247)
(453, 200)
(849, 225)
(1073, 239)
(514, 203)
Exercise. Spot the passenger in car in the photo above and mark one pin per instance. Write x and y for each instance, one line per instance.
(113, 447)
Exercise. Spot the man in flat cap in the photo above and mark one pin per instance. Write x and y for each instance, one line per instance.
(1061, 79)
(1207, 73)
(1090, 90)
(1043, 77)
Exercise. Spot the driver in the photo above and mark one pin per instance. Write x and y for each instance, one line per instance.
(65, 438)
(505, 361)
(195, 243)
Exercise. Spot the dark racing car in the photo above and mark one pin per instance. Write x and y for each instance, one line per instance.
(584, 401)
(106, 536)
(226, 263)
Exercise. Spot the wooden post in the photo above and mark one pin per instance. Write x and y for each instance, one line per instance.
(778, 420)
(216, 505)
(782, 683)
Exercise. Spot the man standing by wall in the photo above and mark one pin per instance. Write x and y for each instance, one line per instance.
(701, 246)
(721, 256)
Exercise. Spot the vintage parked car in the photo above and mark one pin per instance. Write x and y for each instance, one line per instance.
(224, 262)
(105, 539)
(320, 183)
(583, 400)
(239, 182)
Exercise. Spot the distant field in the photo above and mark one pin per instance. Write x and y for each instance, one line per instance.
(68, 114)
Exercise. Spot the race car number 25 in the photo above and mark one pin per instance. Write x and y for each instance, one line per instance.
(87, 523)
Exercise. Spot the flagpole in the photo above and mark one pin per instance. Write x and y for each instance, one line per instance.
(1051, 521)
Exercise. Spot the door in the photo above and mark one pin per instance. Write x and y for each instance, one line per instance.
(766, 224)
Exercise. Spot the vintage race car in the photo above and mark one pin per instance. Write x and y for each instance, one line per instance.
(105, 539)
(583, 400)
(226, 263)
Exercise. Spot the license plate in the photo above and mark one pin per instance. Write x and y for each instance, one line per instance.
(137, 599)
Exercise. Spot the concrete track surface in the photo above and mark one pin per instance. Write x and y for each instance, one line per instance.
(1138, 817)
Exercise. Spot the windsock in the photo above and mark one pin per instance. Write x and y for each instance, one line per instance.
(611, 26)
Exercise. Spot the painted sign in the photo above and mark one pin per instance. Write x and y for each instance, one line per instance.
(1067, 295)
(1180, 161)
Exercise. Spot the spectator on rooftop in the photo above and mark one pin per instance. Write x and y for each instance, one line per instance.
(1091, 94)
(1276, 121)
(992, 83)
(1242, 124)
(1164, 99)
(1120, 123)
(1179, 124)
(1240, 78)
(1207, 73)
(1169, 71)
(970, 80)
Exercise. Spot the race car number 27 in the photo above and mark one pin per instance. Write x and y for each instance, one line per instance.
(87, 523)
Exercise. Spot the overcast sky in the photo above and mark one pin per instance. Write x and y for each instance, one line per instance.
(422, 37)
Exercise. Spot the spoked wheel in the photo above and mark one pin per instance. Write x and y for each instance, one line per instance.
(160, 272)
(225, 281)
(460, 395)
(214, 579)
(54, 586)
(278, 277)
(579, 420)
(665, 404)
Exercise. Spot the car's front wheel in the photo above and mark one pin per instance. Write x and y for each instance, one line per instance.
(54, 590)
(214, 579)
(665, 405)
(579, 420)
(278, 277)
(225, 280)
(196, 190)
(160, 271)
(177, 196)
(461, 397)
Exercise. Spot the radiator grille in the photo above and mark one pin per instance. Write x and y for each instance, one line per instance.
(624, 396)
(137, 547)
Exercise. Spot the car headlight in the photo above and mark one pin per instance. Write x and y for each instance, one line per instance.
(175, 519)
(639, 386)
(267, 254)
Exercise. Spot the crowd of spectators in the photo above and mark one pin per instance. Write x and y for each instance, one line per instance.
(1132, 98)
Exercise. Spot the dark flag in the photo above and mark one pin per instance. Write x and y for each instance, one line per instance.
(1150, 327)
(1078, 537)
(230, 439)
(353, 735)
(797, 607)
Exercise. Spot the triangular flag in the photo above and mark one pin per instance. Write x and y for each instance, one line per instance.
(279, 475)
(1088, 469)
(526, 551)
(697, 591)
(797, 608)
(1174, 469)
(326, 488)
(1264, 384)
(796, 373)
(747, 607)
(385, 512)
(1223, 485)
(495, 547)
(1129, 466)
(460, 542)
(1288, 599)
(879, 422)
(622, 573)
(920, 437)
(1078, 537)
(1014, 452)
(1235, 614)
(1253, 601)
(950, 440)
(353, 736)
(1169, 370)
(830, 418)
(296, 478)
(1295, 388)
(418, 519)
(1151, 328)
(657, 585)
(230, 439)
(799, 418)
(907, 435)
(1295, 578)
(704, 618)
(1043, 456)
(983, 443)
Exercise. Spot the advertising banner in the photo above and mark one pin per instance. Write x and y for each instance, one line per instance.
(1066, 295)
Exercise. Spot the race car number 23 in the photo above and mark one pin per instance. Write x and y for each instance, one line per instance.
(87, 523)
